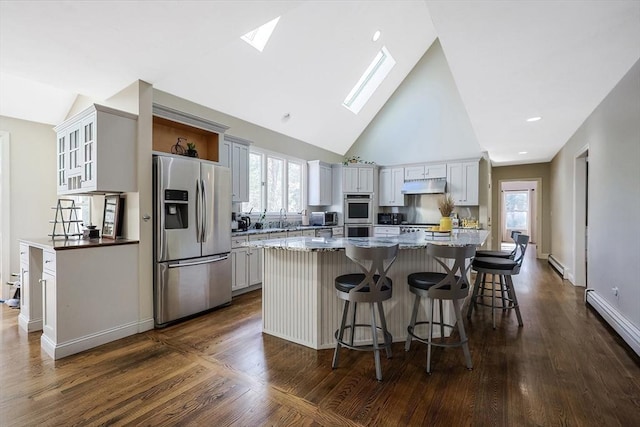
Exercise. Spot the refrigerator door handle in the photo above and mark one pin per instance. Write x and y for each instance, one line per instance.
(198, 213)
(203, 212)
(159, 216)
(207, 261)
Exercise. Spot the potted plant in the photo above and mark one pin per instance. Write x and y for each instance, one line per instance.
(191, 149)
(446, 205)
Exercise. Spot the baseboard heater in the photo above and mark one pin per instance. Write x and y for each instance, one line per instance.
(556, 265)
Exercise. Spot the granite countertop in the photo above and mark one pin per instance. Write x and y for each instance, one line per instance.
(279, 230)
(60, 244)
(406, 241)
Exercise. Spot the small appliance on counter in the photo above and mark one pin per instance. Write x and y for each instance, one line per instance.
(390, 218)
(324, 218)
(243, 223)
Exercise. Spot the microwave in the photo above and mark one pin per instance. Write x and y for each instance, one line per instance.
(390, 218)
(323, 218)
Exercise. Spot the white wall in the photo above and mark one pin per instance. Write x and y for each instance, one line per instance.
(612, 133)
(33, 184)
(424, 120)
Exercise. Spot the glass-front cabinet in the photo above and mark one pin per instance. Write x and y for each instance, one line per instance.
(96, 151)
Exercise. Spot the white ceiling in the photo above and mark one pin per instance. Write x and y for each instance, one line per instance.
(510, 61)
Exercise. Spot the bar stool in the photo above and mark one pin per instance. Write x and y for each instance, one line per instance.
(498, 254)
(371, 286)
(451, 285)
(504, 268)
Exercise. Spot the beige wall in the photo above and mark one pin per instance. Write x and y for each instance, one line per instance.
(612, 134)
(33, 184)
(524, 172)
(261, 137)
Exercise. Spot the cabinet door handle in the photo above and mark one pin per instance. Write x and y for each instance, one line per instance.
(43, 281)
(22, 253)
(47, 261)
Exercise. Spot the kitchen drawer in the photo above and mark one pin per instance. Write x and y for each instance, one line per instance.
(24, 253)
(238, 241)
(49, 261)
(259, 237)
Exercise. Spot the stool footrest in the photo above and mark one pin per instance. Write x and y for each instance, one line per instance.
(365, 347)
(434, 341)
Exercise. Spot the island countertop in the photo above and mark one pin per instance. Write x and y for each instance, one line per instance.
(406, 241)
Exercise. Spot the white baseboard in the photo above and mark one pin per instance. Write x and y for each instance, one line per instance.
(570, 277)
(29, 325)
(627, 330)
(145, 325)
(60, 350)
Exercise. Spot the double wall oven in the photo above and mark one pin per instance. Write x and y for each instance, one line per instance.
(358, 215)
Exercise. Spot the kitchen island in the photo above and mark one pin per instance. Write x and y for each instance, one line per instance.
(299, 301)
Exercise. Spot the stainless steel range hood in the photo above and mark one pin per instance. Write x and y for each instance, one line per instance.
(425, 186)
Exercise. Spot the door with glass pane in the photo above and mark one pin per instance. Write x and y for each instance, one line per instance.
(516, 205)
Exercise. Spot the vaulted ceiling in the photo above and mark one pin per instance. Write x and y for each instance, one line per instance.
(511, 60)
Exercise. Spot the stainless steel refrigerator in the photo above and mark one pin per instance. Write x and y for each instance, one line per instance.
(192, 239)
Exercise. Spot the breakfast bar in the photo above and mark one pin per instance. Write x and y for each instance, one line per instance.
(299, 300)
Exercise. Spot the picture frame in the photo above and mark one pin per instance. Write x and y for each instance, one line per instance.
(112, 216)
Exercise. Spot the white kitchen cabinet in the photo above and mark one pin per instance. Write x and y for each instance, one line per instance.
(319, 183)
(96, 152)
(30, 318)
(391, 181)
(309, 233)
(239, 263)
(425, 171)
(463, 182)
(358, 179)
(224, 152)
(239, 168)
(71, 284)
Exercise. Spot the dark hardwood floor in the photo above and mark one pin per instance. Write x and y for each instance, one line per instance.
(564, 367)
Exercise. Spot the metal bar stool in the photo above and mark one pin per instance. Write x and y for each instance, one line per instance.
(371, 286)
(451, 285)
(504, 268)
(498, 254)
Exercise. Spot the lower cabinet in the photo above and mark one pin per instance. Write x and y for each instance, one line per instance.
(239, 262)
(72, 289)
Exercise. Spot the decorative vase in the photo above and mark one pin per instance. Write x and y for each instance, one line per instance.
(445, 223)
(192, 153)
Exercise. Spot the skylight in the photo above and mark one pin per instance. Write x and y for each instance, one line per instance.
(259, 37)
(370, 80)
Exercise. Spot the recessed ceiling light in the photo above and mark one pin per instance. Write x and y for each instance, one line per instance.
(534, 119)
(522, 152)
(376, 36)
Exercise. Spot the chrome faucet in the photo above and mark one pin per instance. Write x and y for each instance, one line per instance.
(283, 214)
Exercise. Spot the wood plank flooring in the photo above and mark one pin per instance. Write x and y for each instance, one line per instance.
(564, 367)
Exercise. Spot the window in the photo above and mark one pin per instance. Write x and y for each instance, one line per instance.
(259, 37)
(516, 205)
(276, 181)
(369, 81)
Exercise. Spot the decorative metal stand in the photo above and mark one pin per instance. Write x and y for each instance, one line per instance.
(70, 223)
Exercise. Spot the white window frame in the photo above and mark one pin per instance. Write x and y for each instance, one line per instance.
(266, 154)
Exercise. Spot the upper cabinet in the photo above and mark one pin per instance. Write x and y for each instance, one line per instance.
(391, 180)
(463, 182)
(239, 161)
(425, 171)
(358, 179)
(96, 152)
(319, 183)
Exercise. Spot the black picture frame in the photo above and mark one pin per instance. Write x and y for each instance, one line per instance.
(112, 216)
